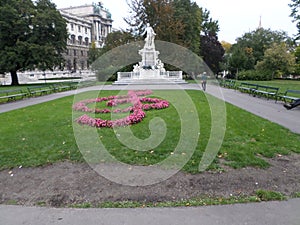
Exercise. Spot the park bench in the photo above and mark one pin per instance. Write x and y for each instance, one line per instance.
(88, 83)
(61, 87)
(39, 90)
(247, 87)
(73, 85)
(289, 95)
(228, 83)
(266, 91)
(12, 94)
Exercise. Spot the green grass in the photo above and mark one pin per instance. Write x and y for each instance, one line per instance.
(200, 201)
(283, 85)
(265, 195)
(43, 133)
(260, 195)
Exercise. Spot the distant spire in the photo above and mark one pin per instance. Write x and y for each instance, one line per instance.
(259, 25)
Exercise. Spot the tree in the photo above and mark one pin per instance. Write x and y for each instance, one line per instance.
(190, 14)
(297, 58)
(211, 49)
(38, 37)
(176, 21)
(254, 44)
(237, 60)
(295, 6)
(116, 39)
(226, 46)
(278, 60)
(212, 52)
(112, 55)
(209, 26)
(94, 53)
(161, 15)
(137, 18)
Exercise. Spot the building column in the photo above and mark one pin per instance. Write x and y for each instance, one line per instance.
(97, 31)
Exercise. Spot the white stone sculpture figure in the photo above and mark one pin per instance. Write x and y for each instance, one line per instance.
(150, 36)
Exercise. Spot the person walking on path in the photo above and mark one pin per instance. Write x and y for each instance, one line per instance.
(204, 81)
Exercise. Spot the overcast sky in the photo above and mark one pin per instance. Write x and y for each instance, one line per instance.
(235, 17)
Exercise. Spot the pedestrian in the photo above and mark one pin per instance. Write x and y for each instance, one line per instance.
(204, 81)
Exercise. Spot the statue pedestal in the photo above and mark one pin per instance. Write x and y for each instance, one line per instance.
(150, 70)
(149, 74)
(149, 58)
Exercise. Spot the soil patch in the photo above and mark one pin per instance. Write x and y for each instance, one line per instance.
(68, 183)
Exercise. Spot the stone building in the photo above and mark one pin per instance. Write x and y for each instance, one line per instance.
(86, 24)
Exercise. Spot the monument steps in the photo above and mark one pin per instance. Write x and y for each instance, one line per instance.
(150, 82)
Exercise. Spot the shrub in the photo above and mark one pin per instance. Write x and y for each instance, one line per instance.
(254, 75)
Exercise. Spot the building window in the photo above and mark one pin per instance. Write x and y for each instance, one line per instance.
(82, 53)
(74, 52)
(86, 30)
(69, 65)
(72, 27)
(79, 28)
(67, 52)
(82, 65)
(86, 41)
(80, 40)
(72, 39)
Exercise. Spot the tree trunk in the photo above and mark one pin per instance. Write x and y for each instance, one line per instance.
(14, 78)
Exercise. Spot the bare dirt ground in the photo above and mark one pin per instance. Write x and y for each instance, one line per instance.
(68, 183)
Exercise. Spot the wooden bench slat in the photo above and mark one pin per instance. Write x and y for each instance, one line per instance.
(12, 94)
(286, 96)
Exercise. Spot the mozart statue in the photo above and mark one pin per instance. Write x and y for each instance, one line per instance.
(150, 36)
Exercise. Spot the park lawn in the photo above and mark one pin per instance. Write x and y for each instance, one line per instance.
(43, 134)
(283, 85)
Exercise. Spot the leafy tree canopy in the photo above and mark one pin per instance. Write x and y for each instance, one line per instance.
(295, 6)
(32, 35)
(278, 60)
(176, 21)
(251, 47)
(211, 49)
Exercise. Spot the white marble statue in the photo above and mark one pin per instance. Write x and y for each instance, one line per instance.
(150, 36)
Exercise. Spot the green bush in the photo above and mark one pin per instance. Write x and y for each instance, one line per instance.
(254, 75)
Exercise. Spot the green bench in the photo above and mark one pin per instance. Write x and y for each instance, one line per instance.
(247, 87)
(61, 87)
(289, 95)
(73, 85)
(12, 94)
(39, 90)
(266, 91)
(228, 83)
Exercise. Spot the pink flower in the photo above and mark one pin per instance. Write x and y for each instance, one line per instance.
(137, 109)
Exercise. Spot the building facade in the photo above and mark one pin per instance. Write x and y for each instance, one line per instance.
(86, 24)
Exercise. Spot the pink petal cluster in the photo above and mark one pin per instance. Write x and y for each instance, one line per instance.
(137, 113)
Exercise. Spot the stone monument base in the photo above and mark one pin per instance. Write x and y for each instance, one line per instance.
(151, 69)
(150, 77)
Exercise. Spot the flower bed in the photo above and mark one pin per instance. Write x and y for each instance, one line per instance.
(136, 110)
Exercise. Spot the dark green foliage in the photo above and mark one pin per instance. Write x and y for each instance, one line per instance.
(190, 15)
(254, 75)
(295, 5)
(211, 49)
(31, 36)
(212, 52)
(251, 47)
(176, 21)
